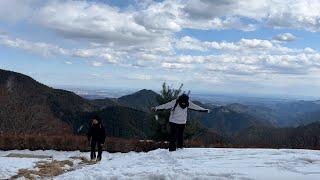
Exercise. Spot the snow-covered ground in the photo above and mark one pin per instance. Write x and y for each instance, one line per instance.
(188, 163)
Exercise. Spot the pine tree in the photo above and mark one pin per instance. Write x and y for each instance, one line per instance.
(161, 126)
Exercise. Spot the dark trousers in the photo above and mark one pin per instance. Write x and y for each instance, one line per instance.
(95, 143)
(176, 135)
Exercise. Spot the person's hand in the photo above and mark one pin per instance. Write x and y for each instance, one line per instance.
(209, 111)
(101, 144)
(153, 109)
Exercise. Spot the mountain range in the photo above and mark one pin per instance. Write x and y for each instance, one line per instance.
(306, 137)
(27, 106)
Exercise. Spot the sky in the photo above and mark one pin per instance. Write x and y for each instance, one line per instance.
(265, 47)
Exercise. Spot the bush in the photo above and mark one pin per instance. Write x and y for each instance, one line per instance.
(73, 143)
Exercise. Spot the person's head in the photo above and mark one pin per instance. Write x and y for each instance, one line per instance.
(183, 101)
(95, 120)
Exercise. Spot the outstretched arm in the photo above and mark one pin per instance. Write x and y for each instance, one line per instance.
(168, 105)
(197, 108)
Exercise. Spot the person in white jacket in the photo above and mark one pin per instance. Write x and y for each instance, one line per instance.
(178, 118)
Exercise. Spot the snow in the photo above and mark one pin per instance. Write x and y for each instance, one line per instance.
(189, 163)
(9, 166)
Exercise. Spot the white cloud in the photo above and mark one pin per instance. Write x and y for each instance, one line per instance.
(250, 65)
(143, 36)
(96, 63)
(46, 49)
(205, 78)
(170, 78)
(301, 14)
(285, 37)
(190, 43)
(254, 45)
(207, 9)
(256, 57)
(175, 15)
(168, 65)
(68, 62)
(160, 17)
(230, 14)
(136, 26)
(148, 57)
(218, 23)
(101, 53)
(102, 24)
(15, 10)
(309, 50)
(42, 48)
(140, 77)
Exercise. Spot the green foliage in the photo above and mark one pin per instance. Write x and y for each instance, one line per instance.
(118, 122)
(168, 93)
(193, 128)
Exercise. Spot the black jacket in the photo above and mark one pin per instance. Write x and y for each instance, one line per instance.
(97, 133)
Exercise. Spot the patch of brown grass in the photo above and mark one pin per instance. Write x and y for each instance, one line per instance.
(16, 155)
(48, 169)
(53, 168)
(45, 169)
(84, 160)
(23, 173)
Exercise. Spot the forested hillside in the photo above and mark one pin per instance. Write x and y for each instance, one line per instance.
(29, 107)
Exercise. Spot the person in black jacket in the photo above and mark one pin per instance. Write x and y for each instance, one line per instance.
(97, 135)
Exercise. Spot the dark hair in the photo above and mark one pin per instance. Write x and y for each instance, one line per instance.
(96, 117)
(182, 99)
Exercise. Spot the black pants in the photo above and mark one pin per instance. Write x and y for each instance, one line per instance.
(176, 135)
(95, 143)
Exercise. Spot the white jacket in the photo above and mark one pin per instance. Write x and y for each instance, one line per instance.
(179, 115)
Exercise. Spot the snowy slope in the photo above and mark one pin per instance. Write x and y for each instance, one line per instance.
(9, 166)
(191, 164)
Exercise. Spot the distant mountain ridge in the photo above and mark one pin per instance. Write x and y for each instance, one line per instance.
(27, 106)
(45, 105)
(287, 114)
(143, 100)
(306, 136)
(227, 121)
(140, 100)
